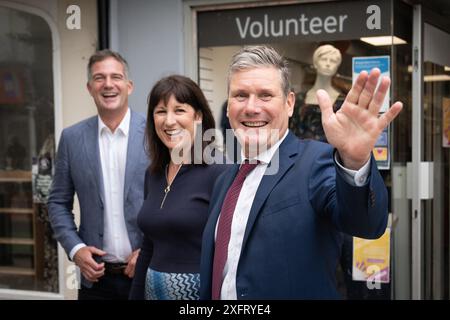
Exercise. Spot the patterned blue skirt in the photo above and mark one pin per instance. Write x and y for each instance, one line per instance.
(172, 286)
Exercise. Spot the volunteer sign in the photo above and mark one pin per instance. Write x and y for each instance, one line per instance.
(306, 22)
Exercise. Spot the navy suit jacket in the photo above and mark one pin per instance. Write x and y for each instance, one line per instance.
(78, 170)
(292, 239)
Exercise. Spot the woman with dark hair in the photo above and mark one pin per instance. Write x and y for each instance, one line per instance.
(178, 187)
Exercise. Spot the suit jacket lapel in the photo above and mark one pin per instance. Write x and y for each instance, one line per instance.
(287, 150)
(92, 152)
(134, 151)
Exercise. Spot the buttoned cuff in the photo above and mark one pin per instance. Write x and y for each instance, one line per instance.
(356, 178)
(75, 250)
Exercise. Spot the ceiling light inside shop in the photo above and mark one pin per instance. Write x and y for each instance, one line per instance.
(436, 77)
(383, 41)
(410, 69)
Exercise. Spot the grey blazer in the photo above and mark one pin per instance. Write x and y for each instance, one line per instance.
(78, 170)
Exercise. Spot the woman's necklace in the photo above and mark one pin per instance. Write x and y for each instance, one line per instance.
(169, 183)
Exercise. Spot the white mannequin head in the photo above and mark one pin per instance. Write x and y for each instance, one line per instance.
(327, 60)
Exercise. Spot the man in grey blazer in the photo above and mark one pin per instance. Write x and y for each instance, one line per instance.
(102, 159)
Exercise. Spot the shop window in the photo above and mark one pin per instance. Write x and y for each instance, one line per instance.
(28, 252)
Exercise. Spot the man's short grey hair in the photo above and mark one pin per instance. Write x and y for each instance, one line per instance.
(251, 57)
(103, 55)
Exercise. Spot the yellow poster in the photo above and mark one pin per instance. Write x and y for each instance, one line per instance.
(380, 153)
(371, 258)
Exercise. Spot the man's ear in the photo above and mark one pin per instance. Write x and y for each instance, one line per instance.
(130, 86)
(290, 103)
(89, 87)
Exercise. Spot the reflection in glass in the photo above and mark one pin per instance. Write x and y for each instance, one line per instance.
(28, 255)
(436, 124)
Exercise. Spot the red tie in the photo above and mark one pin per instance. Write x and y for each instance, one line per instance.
(224, 227)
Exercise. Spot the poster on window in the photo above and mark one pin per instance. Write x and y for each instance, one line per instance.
(11, 87)
(42, 178)
(360, 64)
(381, 150)
(43, 170)
(371, 258)
(446, 122)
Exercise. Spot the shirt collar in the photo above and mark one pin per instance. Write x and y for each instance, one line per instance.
(123, 127)
(266, 156)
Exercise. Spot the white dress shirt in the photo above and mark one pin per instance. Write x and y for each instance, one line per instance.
(244, 204)
(113, 158)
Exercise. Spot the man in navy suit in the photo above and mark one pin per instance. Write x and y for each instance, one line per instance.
(102, 159)
(284, 239)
